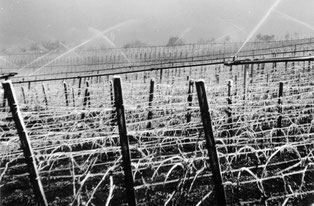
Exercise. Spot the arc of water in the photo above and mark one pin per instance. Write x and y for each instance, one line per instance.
(82, 44)
(66, 47)
(102, 35)
(260, 23)
(295, 20)
(183, 33)
(225, 35)
(35, 60)
(237, 27)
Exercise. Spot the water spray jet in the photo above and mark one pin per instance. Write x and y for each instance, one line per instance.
(82, 44)
(260, 23)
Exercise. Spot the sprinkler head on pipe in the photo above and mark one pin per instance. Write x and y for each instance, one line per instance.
(232, 62)
(6, 76)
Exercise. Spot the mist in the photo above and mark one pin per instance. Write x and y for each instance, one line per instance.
(23, 22)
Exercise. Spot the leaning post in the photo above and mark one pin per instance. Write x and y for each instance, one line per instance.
(23, 94)
(45, 95)
(25, 143)
(126, 157)
(220, 197)
(66, 93)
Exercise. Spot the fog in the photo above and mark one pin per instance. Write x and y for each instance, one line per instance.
(153, 22)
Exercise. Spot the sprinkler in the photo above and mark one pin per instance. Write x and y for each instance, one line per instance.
(6, 76)
(236, 61)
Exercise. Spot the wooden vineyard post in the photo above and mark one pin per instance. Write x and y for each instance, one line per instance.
(279, 133)
(267, 80)
(229, 111)
(274, 64)
(88, 96)
(244, 82)
(112, 122)
(220, 197)
(160, 76)
(150, 102)
(73, 96)
(24, 96)
(86, 99)
(251, 73)
(286, 66)
(66, 93)
(25, 144)
(79, 87)
(229, 114)
(126, 158)
(36, 94)
(230, 71)
(217, 78)
(45, 95)
(236, 84)
(190, 99)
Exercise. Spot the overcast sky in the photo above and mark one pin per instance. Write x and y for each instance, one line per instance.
(151, 21)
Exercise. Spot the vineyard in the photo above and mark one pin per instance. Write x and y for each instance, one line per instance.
(160, 126)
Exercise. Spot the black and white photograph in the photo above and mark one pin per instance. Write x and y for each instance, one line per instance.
(156, 103)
